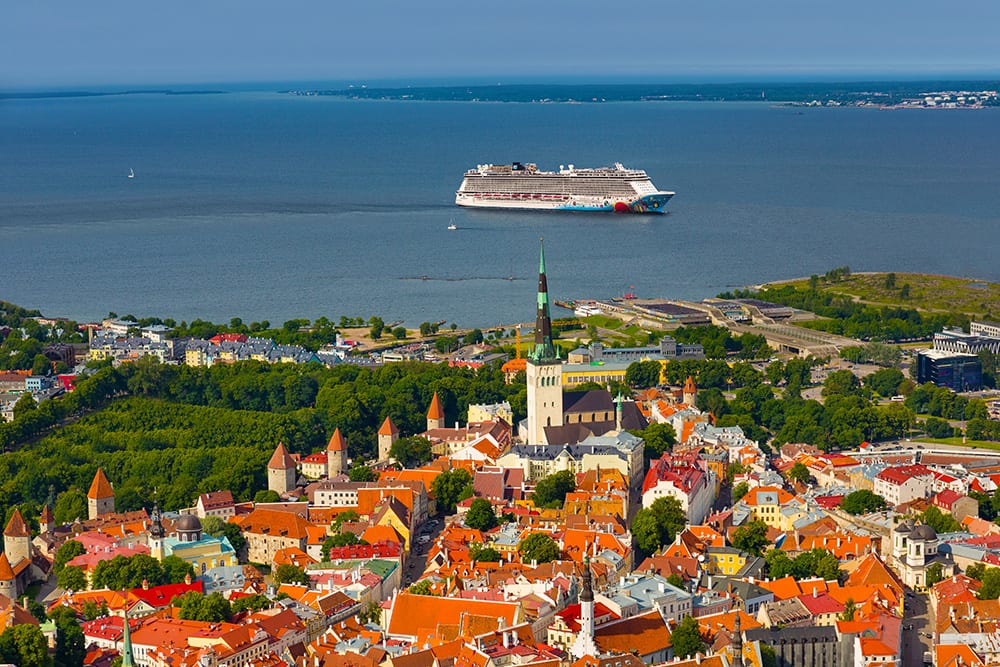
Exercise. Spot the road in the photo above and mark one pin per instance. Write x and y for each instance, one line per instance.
(916, 625)
(416, 560)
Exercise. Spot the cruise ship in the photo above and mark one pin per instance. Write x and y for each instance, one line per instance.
(523, 186)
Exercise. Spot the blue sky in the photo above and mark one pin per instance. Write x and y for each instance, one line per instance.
(115, 42)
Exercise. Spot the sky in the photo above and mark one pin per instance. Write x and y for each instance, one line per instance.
(113, 42)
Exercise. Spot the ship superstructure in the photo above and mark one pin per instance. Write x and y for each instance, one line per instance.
(524, 186)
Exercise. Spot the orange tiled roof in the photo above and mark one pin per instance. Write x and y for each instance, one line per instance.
(16, 527)
(388, 428)
(644, 634)
(100, 487)
(435, 411)
(274, 522)
(420, 615)
(337, 442)
(280, 459)
(6, 572)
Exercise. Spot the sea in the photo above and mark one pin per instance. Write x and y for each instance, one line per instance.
(269, 206)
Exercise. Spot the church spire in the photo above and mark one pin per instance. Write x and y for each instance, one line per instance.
(544, 350)
(127, 659)
(737, 641)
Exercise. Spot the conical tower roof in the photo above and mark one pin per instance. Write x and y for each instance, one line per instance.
(435, 411)
(544, 350)
(100, 488)
(689, 386)
(338, 443)
(388, 428)
(6, 571)
(281, 459)
(16, 527)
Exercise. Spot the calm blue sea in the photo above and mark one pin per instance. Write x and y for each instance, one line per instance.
(270, 206)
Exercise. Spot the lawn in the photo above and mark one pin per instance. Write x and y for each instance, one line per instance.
(957, 441)
(925, 291)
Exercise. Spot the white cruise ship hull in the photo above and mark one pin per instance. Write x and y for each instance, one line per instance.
(524, 187)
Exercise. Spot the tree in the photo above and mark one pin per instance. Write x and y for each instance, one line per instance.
(377, 327)
(483, 554)
(254, 602)
(177, 570)
(740, 490)
(885, 382)
(25, 645)
(686, 638)
(990, 590)
(412, 451)
(657, 524)
(538, 547)
(657, 439)
(799, 473)
(343, 539)
(211, 608)
(399, 333)
(939, 521)
(850, 608)
(938, 428)
(480, 515)
(751, 537)
(24, 405)
(975, 571)
(69, 550)
(422, 587)
(841, 383)
(551, 490)
(676, 580)
(359, 472)
(862, 501)
(72, 578)
(643, 374)
(935, 573)
(372, 613)
(41, 365)
(289, 574)
(266, 496)
(451, 487)
(890, 283)
(768, 656)
(70, 648)
(70, 506)
(646, 531)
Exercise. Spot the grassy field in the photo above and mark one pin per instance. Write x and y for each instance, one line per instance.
(927, 292)
(957, 441)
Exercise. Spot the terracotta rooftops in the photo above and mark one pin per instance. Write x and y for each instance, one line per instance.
(388, 428)
(435, 411)
(16, 526)
(337, 442)
(100, 487)
(281, 459)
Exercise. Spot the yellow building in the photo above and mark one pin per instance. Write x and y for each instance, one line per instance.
(601, 372)
(725, 560)
(767, 504)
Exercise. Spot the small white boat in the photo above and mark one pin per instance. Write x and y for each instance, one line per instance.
(131, 174)
(452, 226)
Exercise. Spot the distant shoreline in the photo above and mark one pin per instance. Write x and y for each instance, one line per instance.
(889, 94)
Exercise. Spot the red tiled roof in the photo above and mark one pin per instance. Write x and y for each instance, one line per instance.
(388, 428)
(100, 487)
(16, 526)
(160, 596)
(435, 411)
(337, 442)
(280, 459)
(900, 474)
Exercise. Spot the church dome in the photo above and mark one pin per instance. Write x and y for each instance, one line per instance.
(923, 532)
(188, 523)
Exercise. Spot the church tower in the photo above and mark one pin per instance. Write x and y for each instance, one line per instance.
(584, 644)
(281, 471)
(544, 369)
(737, 641)
(435, 414)
(156, 533)
(336, 455)
(387, 434)
(101, 497)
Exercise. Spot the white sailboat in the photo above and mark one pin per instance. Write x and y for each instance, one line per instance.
(452, 226)
(131, 174)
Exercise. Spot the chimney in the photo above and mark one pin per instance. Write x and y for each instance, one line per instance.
(815, 592)
(506, 639)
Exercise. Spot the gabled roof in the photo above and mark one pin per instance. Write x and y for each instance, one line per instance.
(6, 572)
(281, 460)
(100, 488)
(16, 526)
(435, 411)
(337, 442)
(388, 428)
(644, 634)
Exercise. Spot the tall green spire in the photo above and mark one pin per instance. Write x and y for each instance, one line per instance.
(544, 349)
(127, 660)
